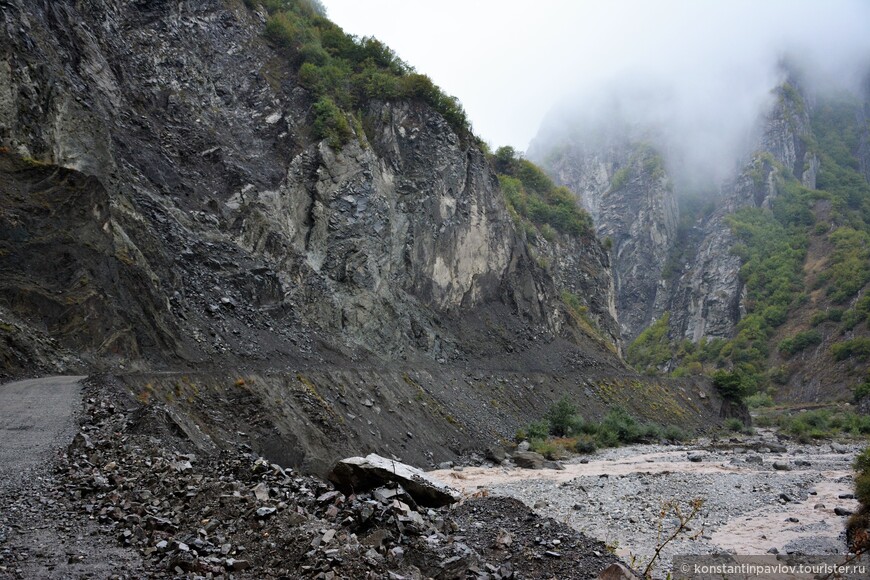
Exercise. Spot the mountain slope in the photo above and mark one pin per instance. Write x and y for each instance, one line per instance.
(327, 268)
(755, 278)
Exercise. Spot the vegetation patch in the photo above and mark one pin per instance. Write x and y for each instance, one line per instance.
(858, 526)
(799, 342)
(565, 430)
(534, 199)
(772, 244)
(808, 426)
(345, 72)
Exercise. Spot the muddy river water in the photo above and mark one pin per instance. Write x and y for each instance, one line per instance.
(759, 495)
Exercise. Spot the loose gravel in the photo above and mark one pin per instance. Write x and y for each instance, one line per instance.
(759, 493)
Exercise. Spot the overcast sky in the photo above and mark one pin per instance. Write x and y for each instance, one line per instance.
(510, 62)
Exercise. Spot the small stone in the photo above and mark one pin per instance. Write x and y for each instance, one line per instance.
(495, 454)
(328, 496)
(236, 565)
(841, 511)
(782, 466)
(261, 491)
(553, 554)
(773, 551)
(819, 506)
(792, 520)
(181, 466)
(265, 512)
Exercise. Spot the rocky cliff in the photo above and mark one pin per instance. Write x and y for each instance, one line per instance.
(626, 184)
(200, 176)
(767, 277)
(709, 300)
(167, 206)
(626, 188)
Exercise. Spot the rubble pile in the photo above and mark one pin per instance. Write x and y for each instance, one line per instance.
(234, 514)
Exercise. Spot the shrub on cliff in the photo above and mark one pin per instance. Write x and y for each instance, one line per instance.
(348, 70)
(534, 198)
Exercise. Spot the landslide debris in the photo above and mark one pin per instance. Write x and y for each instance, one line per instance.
(232, 513)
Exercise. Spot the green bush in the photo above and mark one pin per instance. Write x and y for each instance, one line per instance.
(546, 448)
(562, 417)
(799, 342)
(852, 318)
(734, 424)
(674, 433)
(822, 424)
(858, 348)
(532, 196)
(861, 390)
(758, 400)
(538, 430)
(651, 349)
(733, 385)
(607, 437)
(350, 71)
(330, 123)
(627, 429)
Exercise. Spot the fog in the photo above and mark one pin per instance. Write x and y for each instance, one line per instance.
(701, 69)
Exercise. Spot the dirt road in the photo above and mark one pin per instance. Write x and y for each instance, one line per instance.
(36, 419)
(40, 536)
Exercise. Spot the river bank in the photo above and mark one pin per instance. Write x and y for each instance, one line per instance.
(760, 494)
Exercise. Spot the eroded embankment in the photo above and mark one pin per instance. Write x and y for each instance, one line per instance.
(311, 417)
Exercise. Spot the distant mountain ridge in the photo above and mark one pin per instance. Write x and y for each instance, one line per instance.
(739, 278)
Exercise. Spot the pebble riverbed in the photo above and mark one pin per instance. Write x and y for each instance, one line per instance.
(759, 494)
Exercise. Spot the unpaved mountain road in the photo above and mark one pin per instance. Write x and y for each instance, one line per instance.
(37, 417)
(40, 536)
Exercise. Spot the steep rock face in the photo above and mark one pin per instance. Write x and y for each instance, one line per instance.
(216, 194)
(626, 189)
(167, 208)
(708, 298)
(863, 151)
(582, 268)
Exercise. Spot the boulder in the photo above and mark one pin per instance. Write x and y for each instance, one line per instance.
(617, 571)
(495, 454)
(357, 474)
(528, 459)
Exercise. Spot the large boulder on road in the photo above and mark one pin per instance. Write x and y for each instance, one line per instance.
(357, 474)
